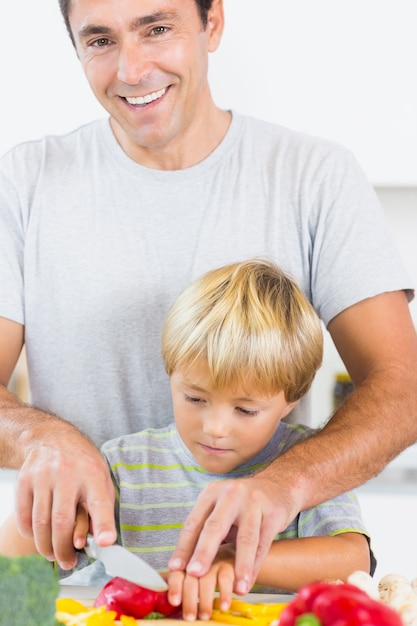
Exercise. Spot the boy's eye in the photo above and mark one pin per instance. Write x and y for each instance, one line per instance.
(193, 399)
(246, 411)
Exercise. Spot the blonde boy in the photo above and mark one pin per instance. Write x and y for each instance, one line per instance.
(241, 346)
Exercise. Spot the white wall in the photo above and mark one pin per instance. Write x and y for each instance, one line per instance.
(43, 89)
(342, 69)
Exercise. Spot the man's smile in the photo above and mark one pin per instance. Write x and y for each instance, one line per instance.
(150, 97)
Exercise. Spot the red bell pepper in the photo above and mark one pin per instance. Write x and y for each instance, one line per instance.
(338, 605)
(344, 606)
(303, 602)
(126, 598)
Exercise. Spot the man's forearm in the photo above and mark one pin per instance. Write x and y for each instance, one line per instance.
(22, 426)
(374, 425)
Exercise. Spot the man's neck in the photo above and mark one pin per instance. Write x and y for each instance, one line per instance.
(192, 148)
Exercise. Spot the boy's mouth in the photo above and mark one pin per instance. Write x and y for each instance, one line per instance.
(212, 450)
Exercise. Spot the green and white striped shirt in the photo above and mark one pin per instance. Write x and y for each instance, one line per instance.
(158, 480)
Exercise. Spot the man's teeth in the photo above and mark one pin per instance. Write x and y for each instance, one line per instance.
(150, 97)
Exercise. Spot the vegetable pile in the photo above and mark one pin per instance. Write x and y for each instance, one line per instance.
(358, 602)
(330, 604)
(28, 589)
(122, 600)
(72, 613)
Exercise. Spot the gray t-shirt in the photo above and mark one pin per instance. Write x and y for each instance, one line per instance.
(94, 248)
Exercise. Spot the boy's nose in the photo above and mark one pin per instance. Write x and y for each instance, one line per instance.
(216, 425)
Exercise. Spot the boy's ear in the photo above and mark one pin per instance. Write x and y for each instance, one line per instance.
(289, 408)
(215, 25)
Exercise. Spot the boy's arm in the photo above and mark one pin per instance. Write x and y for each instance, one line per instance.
(12, 543)
(292, 563)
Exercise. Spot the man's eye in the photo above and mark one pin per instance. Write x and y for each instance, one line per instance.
(159, 30)
(100, 43)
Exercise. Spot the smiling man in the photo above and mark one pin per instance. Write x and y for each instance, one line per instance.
(148, 68)
(102, 228)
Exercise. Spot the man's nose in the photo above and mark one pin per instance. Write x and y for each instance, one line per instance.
(133, 63)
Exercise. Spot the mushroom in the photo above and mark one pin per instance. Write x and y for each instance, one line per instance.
(364, 581)
(396, 591)
(392, 583)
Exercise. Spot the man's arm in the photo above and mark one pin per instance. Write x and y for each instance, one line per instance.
(59, 467)
(378, 344)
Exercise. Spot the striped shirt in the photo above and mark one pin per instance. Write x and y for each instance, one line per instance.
(158, 480)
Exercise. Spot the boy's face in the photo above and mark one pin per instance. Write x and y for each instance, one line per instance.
(224, 429)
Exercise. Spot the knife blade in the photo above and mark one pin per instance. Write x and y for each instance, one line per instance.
(120, 562)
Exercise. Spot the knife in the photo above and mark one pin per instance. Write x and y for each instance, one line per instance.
(120, 562)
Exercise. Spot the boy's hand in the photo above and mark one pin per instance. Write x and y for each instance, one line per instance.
(196, 594)
(82, 526)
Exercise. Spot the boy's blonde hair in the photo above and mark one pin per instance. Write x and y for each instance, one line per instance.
(251, 325)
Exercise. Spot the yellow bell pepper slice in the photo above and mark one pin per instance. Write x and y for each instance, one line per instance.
(90, 617)
(105, 618)
(234, 618)
(128, 621)
(68, 605)
(248, 614)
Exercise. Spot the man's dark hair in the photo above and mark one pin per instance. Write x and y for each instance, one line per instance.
(203, 8)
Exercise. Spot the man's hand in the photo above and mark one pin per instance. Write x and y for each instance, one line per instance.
(60, 472)
(252, 507)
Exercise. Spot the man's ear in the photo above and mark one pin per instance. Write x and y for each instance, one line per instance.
(215, 25)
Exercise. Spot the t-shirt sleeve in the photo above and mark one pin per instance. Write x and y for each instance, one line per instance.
(353, 254)
(11, 248)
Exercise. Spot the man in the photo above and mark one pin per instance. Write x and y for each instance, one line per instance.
(113, 220)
